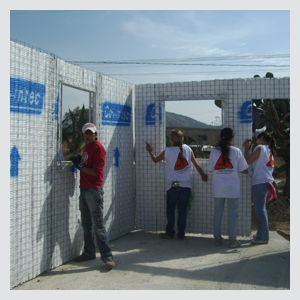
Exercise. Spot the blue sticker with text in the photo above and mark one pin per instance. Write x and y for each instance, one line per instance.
(245, 112)
(26, 96)
(150, 115)
(116, 114)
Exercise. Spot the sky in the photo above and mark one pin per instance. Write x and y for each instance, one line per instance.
(158, 46)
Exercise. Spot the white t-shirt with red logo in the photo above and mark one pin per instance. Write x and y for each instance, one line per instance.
(263, 167)
(226, 179)
(178, 169)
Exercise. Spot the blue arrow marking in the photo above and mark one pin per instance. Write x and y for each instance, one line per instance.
(14, 164)
(117, 155)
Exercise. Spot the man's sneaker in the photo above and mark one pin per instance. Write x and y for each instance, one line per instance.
(109, 264)
(218, 243)
(165, 236)
(235, 244)
(254, 236)
(259, 242)
(83, 257)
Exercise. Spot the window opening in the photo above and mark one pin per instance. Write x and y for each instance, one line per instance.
(76, 111)
(199, 120)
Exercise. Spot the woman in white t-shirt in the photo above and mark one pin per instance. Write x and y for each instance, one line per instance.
(179, 180)
(262, 160)
(226, 161)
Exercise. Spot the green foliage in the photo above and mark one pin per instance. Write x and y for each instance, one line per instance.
(275, 115)
(269, 75)
(218, 103)
(71, 132)
(278, 171)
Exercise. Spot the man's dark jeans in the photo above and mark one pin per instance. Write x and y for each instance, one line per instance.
(177, 195)
(91, 207)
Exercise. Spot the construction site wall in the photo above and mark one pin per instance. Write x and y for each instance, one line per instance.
(45, 229)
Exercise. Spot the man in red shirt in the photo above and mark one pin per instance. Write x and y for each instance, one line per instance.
(91, 166)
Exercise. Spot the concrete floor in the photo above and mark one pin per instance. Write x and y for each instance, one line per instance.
(146, 262)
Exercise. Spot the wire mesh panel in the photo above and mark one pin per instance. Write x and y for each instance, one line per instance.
(236, 96)
(115, 118)
(45, 221)
(32, 118)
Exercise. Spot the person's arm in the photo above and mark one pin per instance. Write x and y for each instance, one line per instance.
(89, 171)
(243, 161)
(98, 163)
(204, 177)
(210, 163)
(254, 156)
(154, 158)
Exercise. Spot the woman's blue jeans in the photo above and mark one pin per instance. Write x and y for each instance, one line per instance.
(259, 195)
(177, 195)
(232, 204)
(91, 207)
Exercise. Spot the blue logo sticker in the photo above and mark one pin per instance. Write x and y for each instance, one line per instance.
(245, 112)
(150, 115)
(26, 96)
(14, 162)
(116, 114)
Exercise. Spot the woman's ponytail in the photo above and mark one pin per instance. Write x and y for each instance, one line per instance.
(177, 137)
(269, 140)
(225, 137)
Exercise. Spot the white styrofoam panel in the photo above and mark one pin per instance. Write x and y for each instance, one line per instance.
(235, 115)
(45, 217)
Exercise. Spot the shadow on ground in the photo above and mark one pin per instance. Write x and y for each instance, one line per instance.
(145, 261)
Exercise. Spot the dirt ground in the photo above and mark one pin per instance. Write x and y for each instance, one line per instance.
(278, 213)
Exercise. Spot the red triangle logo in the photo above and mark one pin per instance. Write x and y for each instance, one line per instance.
(271, 162)
(223, 163)
(181, 163)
